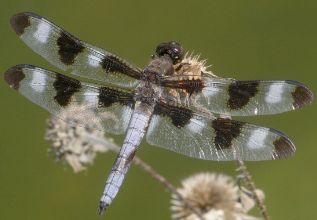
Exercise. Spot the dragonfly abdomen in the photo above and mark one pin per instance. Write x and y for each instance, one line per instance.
(136, 130)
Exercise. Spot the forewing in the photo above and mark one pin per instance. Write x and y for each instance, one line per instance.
(180, 130)
(58, 93)
(239, 98)
(67, 52)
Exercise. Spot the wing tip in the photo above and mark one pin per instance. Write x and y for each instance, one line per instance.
(302, 95)
(283, 148)
(14, 76)
(21, 20)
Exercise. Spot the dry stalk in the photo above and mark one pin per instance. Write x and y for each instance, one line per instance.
(251, 186)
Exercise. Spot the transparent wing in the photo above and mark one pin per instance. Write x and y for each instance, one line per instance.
(57, 93)
(67, 52)
(237, 98)
(180, 130)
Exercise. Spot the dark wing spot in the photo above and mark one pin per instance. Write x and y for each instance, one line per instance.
(13, 77)
(179, 116)
(108, 96)
(69, 48)
(240, 93)
(190, 86)
(283, 148)
(112, 64)
(302, 96)
(65, 88)
(19, 22)
(226, 131)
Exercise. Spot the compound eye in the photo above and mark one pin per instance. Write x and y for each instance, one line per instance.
(172, 49)
(176, 50)
(177, 53)
(176, 58)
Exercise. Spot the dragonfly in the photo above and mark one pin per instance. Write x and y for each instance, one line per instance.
(174, 102)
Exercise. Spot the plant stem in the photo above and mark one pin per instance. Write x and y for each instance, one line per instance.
(161, 179)
(251, 185)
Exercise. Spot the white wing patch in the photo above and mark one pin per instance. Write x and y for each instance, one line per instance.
(210, 91)
(93, 61)
(257, 138)
(153, 124)
(91, 97)
(42, 32)
(126, 116)
(38, 82)
(274, 95)
(196, 126)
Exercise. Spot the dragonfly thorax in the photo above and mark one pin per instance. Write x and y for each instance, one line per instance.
(158, 68)
(146, 92)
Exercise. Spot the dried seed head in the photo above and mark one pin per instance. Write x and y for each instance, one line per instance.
(215, 196)
(75, 143)
(247, 199)
(192, 65)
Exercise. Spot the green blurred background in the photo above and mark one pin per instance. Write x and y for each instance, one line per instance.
(242, 39)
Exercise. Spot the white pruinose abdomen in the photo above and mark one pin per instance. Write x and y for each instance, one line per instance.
(135, 133)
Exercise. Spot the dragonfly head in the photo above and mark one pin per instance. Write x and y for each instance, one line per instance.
(173, 49)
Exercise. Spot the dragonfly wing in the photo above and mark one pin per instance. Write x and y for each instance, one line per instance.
(67, 52)
(57, 93)
(181, 130)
